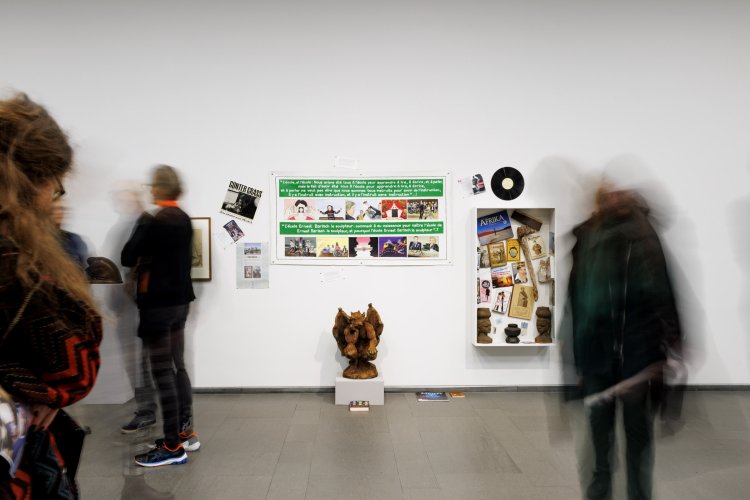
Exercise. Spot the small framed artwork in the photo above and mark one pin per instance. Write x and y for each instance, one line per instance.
(201, 265)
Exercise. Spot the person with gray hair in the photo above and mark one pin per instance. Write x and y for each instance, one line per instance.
(160, 249)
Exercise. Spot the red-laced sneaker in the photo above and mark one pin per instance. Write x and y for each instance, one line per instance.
(189, 442)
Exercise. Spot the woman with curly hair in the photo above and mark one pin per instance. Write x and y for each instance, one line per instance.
(49, 327)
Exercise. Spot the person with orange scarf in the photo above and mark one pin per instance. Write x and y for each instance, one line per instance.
(160, 249)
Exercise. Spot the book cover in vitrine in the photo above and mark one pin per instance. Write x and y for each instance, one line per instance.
(494, 227)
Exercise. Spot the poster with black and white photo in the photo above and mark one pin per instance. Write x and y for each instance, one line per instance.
(241, 201)
(252, 265)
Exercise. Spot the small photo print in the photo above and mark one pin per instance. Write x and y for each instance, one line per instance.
(485, 290)
(300, 209)
(299, 247)
(502, 300)
(363, 247)
(393, 209)
(392, 246)
(520, 273)
(536, 246)
(234, 231)
(371, 210)
(477, 184)
(252, 248)
(330, 209)
(484, 257)
(252, 272)
(422, 209)
(333, 246)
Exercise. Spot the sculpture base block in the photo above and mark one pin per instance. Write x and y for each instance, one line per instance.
(371, 389)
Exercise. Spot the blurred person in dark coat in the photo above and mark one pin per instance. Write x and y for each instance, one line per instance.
(624, 327)
(161, 250)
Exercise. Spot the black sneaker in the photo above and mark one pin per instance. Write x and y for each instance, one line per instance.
(142, 420)
(162, 455)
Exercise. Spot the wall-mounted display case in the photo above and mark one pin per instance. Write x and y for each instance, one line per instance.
(515, 277)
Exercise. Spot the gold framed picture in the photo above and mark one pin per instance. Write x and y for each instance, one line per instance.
(201, 264)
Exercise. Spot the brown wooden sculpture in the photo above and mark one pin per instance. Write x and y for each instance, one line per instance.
(358, 336)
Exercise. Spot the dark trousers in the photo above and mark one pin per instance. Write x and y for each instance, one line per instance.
(145, 392)
(638, 423)
(163, 332)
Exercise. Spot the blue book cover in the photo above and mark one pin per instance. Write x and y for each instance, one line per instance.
(494, 227)
(432, 396)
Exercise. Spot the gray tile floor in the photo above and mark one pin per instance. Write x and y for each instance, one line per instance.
(488, 445)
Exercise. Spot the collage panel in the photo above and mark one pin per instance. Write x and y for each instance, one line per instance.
(300, 246)
(393, 209)
(363, 247)
(299, 209)
(392, 246)
(333, 246)
(330, 209)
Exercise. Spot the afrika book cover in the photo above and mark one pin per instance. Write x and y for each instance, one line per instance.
(494, 227)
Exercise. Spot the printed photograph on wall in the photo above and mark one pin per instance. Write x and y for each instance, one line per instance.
(371, 210)
(421, 246)
(241, 201)
(422, 209)
(393, 209)
(200, 269)
(333, 246)
(363, 247)
(252, 265)
(392, 246)
(234, 230)
(330, 209)
(299, 247)
(301, 209)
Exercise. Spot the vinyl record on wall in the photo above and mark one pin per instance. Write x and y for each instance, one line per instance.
(507, 183)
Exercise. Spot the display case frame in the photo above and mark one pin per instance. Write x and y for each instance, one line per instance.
(503, 315)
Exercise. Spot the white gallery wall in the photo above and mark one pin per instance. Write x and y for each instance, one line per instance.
(657, 92)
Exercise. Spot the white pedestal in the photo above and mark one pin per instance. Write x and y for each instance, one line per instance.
(371, 389)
